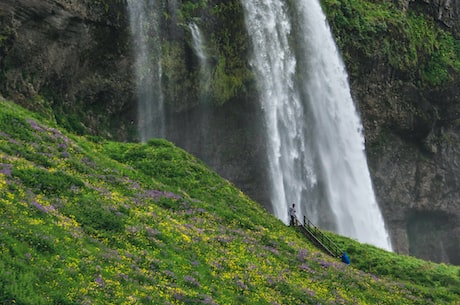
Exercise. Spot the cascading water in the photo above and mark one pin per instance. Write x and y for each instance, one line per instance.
(198, 44)
(146, 40)
(200, 52)
(316, 147)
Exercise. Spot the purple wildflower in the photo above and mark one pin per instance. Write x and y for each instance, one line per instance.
(100, 281)
(14, 141)
(170, 274)
(152, 232)
(324, 264)
(224, 239)
(178, 296)
(7, 136)
(302, 256)
(189, 212)
(5, 169)
(61, 146)
(272, 250)
(310, 293)
(270, 281)
(34, 125)
(155, 194)
(171, 195)
(87, 161)
(134, 184)
(241, 284)
(208, 300)
(42, 208)
(305, 267)
(191, 280)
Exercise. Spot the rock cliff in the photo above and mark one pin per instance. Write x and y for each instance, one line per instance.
(71, 60)
(445, 11)
(412, 135)
(414, 154)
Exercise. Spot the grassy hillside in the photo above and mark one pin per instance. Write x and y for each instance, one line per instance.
(93, 222)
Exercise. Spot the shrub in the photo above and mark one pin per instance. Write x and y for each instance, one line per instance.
(45, 181)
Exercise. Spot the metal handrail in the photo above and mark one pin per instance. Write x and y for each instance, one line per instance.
(320, 238)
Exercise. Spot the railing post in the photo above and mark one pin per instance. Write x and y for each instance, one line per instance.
(318, 235)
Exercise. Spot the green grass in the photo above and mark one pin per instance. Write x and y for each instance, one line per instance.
(412, 43)
(95, 222)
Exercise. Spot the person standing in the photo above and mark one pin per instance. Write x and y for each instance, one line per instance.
(292, 215)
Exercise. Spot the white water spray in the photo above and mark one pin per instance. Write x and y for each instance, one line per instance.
(198, 43)
(146, 45)
(200, 51)
(316, 146)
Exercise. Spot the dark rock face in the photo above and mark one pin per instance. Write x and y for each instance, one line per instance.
(414, 152)
(72, 53)
(445, 11)
(428, 230)
(76, 54)
(412, 140)
(230, 141)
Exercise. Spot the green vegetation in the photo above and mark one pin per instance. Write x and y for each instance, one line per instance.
(95, 222)
(226, 42)
(412, 271)
(412, 43)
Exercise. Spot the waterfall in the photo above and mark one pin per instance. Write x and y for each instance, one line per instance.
(144, 16)
(198, 44)
(315, 141)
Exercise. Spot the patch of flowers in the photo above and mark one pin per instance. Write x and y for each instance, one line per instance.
(92, 223)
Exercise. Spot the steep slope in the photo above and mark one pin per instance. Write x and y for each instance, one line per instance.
(72, 60)
(96, 222)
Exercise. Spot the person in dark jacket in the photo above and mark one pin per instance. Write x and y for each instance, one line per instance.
(292, 215)
(345, 258)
